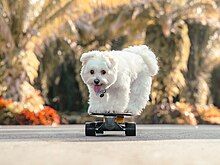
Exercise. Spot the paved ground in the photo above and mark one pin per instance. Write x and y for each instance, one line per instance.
(154, 144)
(75, 133)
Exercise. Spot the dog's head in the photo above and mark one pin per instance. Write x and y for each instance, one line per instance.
(99, 70)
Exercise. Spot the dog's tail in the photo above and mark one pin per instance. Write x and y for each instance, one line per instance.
(147, 55)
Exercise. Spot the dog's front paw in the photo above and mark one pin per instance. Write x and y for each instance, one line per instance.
(93, 110)
(109, 111)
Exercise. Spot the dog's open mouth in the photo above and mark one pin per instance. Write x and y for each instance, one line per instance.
(97, 88)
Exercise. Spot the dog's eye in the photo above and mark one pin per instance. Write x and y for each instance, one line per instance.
(91, 71)
(103, 72)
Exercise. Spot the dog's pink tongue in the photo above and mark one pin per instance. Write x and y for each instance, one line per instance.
(97, 88)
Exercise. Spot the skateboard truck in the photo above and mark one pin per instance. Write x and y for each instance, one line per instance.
(111, 122)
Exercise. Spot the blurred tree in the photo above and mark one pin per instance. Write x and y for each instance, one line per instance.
(174, 43)
(204, 33)
(57, 77)
(215, 87)
(25, 26)
(170, 28)
(199, 68)
(168, 38)
(163, 25)
(18, 32)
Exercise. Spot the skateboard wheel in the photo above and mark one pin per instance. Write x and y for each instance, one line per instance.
(98, 124)
(90, 129)
(130, 129)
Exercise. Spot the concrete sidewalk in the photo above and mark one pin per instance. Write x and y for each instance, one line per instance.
(170, 152)
(67, 144)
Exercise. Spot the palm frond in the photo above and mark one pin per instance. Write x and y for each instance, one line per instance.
(49, 7)
(5, 8)
(56, 14)
(6, 39)
(17, 19)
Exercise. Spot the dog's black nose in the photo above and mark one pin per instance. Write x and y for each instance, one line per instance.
(96, 81)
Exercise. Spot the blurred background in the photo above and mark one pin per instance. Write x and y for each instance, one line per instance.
(41, 42)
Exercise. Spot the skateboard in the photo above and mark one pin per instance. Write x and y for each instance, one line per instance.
(111, 122)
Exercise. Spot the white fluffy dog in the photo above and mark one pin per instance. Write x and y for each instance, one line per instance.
(119, 81)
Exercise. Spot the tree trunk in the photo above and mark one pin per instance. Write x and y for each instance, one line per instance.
(57, 77)
(172, 52)
(199, 63)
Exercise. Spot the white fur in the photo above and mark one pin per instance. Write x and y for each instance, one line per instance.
(127, 80)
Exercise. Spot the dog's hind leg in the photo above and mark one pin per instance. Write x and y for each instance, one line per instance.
(140, 91)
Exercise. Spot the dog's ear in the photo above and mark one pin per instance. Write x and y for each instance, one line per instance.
(86, 56)
(112, 62)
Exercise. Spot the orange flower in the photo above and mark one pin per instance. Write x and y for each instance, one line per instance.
(31, 116)
(4, 102)
(48, 116)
